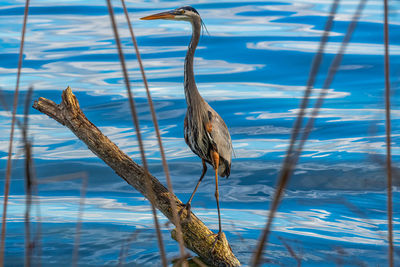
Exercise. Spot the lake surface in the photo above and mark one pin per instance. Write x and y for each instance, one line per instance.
(252, 68)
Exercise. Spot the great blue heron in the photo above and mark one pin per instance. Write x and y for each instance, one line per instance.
(205, 132)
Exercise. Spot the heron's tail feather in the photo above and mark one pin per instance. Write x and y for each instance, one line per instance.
(224, 168)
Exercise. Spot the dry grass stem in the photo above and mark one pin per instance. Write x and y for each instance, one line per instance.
(29, 179)
(176, 219)
(288, 164)
(67, 177)
(138, 133)
(293, 156)
(291, 251)
(388, 137)
(11, 139)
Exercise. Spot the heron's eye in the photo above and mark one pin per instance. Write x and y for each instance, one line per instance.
(181, 12)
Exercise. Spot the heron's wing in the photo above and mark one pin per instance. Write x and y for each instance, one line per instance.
(219, 136)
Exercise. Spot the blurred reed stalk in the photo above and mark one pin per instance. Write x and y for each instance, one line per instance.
(73, 176)
(291, 251)
(75, 255)
(288, 165)
(3, 101)
(28, 179)
(11, 139)
(30, 182)
(124, 248)
(293, 155)
(138, 133)
(4, 104)
(36, 240)
(176, 219)
(388, 136)
(331, 74)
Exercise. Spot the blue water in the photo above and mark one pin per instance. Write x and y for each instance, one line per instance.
(252, 69)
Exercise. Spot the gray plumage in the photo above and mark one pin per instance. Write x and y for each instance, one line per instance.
(199, 114)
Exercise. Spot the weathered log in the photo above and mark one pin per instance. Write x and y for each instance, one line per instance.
(197, 237)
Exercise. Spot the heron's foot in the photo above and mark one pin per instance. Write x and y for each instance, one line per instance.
(217, 237)
(188, 208)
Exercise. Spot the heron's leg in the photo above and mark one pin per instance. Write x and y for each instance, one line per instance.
(215, 157)
(188, 205)
(201, 178)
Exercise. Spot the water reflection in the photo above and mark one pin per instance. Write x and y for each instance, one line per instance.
(252, 69)
(331, 47)
(314, 222)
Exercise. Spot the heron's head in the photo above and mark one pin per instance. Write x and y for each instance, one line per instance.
(186, 13)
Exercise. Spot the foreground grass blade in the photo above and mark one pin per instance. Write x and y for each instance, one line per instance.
(388, 137)
(293, 156)
(138, 134)
(11, 139)
(287, 165)
(157, 130)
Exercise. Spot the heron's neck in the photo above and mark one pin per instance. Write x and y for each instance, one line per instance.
(191, 93)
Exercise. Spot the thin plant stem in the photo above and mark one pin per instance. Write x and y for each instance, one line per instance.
(84, 177)
(292, 159)
(328, 81)
(11, 139)
(287, 165)
(75, 254)
(291, 252)
(28, 179)
(331, 74)
(36, 239)
(6, 108)
(315, 65)
(125, 245)
(388, 137)
(138, 133)
(176, 219)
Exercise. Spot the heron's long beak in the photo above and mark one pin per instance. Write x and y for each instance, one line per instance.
(162, 15)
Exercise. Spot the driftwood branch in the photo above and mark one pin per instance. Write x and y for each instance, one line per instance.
(197, 236)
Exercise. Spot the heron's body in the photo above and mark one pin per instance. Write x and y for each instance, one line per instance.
(208, 138)
(204, 129)
(205, 132)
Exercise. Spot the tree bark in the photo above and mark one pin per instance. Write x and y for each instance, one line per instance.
(197, 237)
